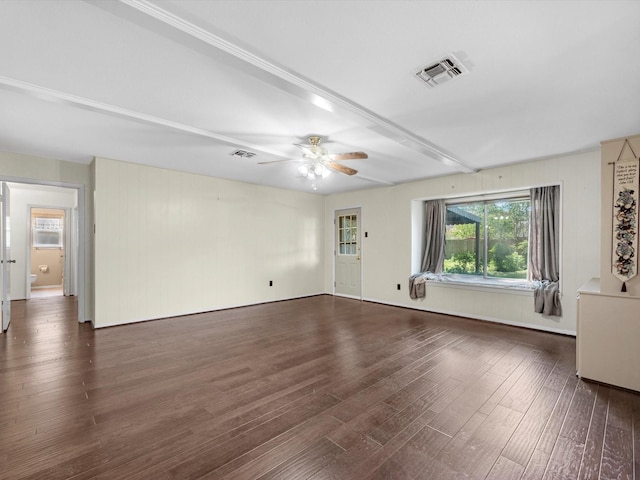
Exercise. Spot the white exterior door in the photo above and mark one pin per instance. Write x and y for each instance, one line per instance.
(5, 243)
(347, 253)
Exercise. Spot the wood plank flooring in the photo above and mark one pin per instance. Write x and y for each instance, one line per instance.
(314, 388)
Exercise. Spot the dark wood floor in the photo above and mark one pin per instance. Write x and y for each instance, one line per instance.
(316, 388)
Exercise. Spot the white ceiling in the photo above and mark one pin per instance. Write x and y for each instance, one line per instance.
(181, 84)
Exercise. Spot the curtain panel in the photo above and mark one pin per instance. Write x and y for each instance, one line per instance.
(435, 224)
(544, 249)
(435, 213)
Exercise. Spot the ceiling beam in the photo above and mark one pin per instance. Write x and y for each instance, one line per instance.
(150, 16)
(56, 96)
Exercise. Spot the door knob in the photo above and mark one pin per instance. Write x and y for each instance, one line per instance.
(8, 261)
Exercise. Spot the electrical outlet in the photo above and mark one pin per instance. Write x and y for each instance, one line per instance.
(271, 283)
(398, 286)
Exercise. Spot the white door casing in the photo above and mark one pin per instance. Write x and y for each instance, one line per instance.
(71, 253)
(66, 253)
(5, 247)
(348, 258)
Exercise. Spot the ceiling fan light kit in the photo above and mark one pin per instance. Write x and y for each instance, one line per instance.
(314, 172)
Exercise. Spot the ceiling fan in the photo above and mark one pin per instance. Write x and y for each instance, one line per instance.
(318, 162)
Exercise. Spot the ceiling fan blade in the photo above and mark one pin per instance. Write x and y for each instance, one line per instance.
(348, 156)
(306, 149)
(341, 168)
(279, 161)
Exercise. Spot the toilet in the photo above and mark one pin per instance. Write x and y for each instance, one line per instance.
(33, 277)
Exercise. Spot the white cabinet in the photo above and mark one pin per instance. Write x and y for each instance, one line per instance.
(608, 337)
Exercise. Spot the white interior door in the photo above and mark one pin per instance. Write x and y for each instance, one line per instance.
(5, 244)
(347, 253)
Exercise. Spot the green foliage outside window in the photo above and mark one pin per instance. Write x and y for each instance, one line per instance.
(461, 262)
(506, 237)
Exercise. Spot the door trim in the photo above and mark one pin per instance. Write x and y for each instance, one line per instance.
(81, 260)
(335, 253)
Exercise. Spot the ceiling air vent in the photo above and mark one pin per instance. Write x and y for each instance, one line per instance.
(242, 154)
(441, 71)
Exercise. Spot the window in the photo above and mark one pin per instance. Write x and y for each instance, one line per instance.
(508, 240)
(348, 234)
(47, 232)
(488, 238)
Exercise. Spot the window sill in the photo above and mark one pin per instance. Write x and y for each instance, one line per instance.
(468, 282)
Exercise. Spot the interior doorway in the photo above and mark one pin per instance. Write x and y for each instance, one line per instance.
(47, 266)
(47, 247)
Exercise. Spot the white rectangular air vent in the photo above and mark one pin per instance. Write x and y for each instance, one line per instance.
(441, 71)
(242, 154)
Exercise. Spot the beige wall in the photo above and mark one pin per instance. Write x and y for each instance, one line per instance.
(45, 169)
(53, 259)
(611, 150)
(389, 255)
(171, 243)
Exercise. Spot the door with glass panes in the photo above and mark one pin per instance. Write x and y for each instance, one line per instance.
(347, 253)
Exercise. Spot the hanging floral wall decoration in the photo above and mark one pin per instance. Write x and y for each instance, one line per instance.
(625, 220)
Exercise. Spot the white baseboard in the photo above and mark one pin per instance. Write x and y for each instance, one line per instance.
(353, 297)
(39, 287)
(216, 309)
(530, 326)
(372, 300)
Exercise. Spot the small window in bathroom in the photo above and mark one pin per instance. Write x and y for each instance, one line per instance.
(47, 232)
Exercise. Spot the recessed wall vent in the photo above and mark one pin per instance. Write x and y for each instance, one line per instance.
(441, 71)
(242, 154)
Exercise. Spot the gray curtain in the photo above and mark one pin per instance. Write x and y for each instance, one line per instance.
(435, 216)
(544, 248)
